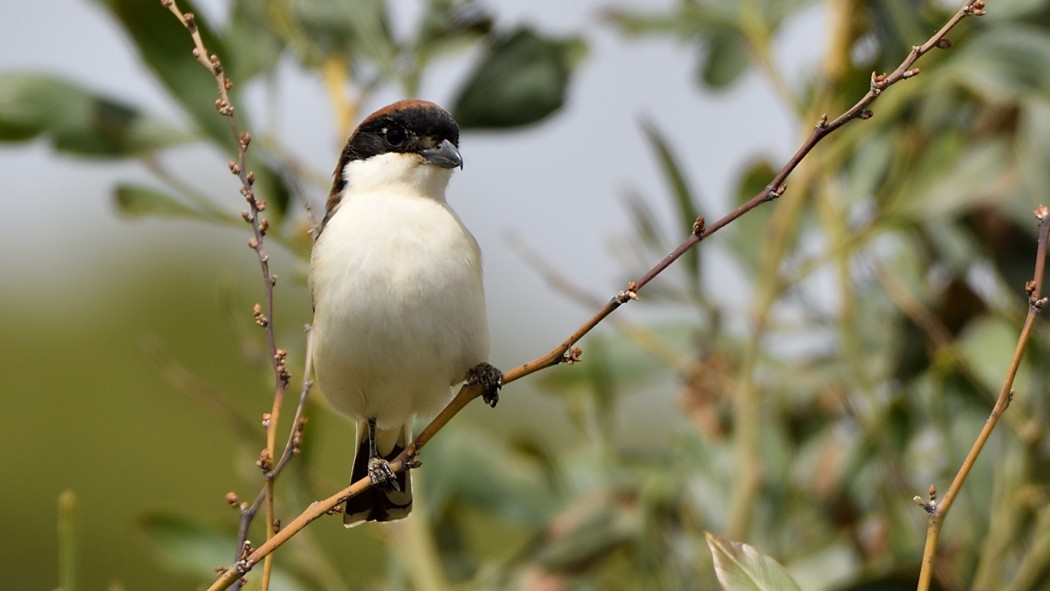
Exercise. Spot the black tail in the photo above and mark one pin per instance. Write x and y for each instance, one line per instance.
(379, 503)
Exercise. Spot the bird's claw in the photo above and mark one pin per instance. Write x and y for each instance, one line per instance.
(381, 475)
(489, 378)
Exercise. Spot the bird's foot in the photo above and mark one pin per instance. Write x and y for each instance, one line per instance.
(381, 475)
(489, 378)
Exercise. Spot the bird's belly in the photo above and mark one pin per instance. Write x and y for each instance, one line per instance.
(399, 316)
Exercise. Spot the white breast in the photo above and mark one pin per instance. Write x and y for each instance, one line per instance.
(399, 305)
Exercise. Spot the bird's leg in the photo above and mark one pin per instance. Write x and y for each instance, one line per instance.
(489, 378)
(378, 468)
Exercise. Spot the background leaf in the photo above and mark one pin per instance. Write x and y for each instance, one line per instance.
(139, 201)
(76, 120)
(679, 187)
(522, 78)
(166, 47)
(184, 545)
(724, 60)
(257, 45)
(741, 567)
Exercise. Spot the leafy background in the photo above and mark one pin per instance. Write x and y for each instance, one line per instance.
(792, 385)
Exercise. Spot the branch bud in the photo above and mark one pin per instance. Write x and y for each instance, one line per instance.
(265, 462)
(698, 226)
(572, 356)
(260, 318)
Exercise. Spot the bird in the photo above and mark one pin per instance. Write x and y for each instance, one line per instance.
(398, 294)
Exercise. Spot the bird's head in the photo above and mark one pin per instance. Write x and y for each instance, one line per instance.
(410, 145)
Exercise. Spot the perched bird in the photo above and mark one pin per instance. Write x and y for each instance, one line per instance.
(399, 303)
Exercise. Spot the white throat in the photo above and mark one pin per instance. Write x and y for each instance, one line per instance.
(397, 173)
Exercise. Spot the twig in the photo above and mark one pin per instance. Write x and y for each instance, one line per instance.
(291, 448)
(938, 511)
(644, 338)
(263, 315)
(566, 352)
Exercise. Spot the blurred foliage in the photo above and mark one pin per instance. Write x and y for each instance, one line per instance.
(77, 121)
(884, 294)
(742, 567)
(521, 79)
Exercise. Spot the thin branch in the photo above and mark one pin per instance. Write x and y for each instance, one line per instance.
(291, 449)
(263, 315)
(642, 337)
(566, 352)
(938, 511)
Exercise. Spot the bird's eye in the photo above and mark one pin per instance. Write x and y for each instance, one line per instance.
(395, 136)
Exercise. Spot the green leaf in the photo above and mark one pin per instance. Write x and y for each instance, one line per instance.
(448, 23)
(895, 24)
(1004, 63)
(725, 59)
(598, 527)
(636, 24)
(715, 28)
(746, 235)
(680, 189)
(471, 468)
(271, 184)
(316, 29)
(987, 346)
(868, 168)
(166, 47)
(251, 36)
(689, 21)
(646, 227)
(521, 79)
(1032, 148)
(957, 176)
(76, 120)
(137, 201)
(741, 567)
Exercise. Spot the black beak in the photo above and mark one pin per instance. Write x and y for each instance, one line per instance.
(444, 155)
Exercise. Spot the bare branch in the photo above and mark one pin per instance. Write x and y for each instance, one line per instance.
(263, 314)
(1036, 303)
